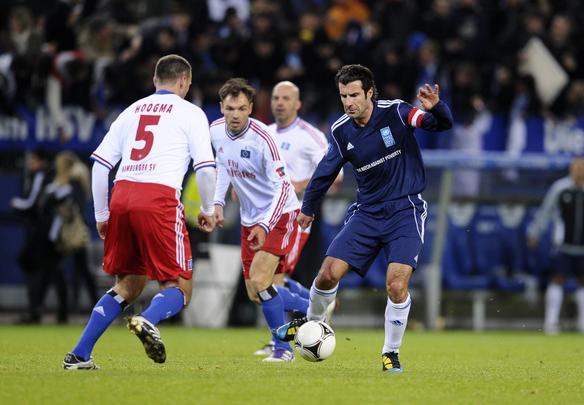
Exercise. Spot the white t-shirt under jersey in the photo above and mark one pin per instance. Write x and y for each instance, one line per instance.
(302, 146)
(155, 138)
(251, 161)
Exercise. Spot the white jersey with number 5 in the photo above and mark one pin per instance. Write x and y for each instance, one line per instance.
(252, 163)
(303, 147)
(155, 138)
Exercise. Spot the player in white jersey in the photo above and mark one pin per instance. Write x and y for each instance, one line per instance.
(145, 235)
(302, 146)
(249, 159)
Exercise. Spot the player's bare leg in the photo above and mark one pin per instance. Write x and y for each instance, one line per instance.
(261, 290)
(173, 296)
(396, 314)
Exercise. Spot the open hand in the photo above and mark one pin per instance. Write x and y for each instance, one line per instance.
(428, 96)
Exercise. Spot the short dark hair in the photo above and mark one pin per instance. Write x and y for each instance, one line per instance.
(351, 73)
(233, 87)
(171, 67)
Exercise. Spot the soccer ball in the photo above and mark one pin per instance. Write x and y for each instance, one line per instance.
(315, 341)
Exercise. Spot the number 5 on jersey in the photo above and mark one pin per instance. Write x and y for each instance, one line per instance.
(142, 134)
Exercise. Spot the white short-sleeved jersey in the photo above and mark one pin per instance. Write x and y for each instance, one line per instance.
(155, 138)
(251, 161)
(303, 147)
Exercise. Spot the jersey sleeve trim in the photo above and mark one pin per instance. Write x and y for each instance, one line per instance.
(205, 163)
(101, 160)
(264, 227)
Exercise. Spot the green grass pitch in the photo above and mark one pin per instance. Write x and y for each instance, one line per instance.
(217, 367)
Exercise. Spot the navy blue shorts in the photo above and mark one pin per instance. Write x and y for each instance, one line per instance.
(569, 264)
(394, 227)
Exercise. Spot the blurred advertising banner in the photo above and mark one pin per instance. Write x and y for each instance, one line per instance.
(27, 129)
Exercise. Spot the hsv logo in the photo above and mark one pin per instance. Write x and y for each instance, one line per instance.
(280, 171)
(246, 154)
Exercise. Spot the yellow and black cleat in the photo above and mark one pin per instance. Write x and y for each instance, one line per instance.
(287, 332)
(390, 362)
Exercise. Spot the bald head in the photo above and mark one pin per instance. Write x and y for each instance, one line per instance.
(285, 103)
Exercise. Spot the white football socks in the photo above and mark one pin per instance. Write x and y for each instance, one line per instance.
(580, 305)
(396, 320)
(319, 302)
(554, 296)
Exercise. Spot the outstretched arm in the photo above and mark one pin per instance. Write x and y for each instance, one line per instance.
(437, 115)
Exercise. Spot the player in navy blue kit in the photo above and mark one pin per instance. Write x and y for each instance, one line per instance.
(377, 138)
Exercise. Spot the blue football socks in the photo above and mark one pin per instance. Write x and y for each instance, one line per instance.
(104, 313)
(273, 309)
(297, 288)
(165, 304)
(292, 301)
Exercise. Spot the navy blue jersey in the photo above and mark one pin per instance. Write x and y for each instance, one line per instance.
(385, 155)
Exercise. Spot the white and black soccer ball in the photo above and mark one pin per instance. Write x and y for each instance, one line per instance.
(315, 341)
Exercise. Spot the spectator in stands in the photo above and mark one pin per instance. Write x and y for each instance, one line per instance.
(80, 194)
(564, 205)
(63, 231)
(37, 177)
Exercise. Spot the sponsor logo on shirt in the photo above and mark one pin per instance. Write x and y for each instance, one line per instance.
(190, 265)
(378, 161)
(387, 137)
(280, 171)
(246, 154)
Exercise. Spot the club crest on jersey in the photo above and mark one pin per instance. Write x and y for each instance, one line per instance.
(246, 154)
(280, 171)
(285, 146)
(387, 137)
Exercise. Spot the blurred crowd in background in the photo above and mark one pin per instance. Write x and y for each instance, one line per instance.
(100, 53)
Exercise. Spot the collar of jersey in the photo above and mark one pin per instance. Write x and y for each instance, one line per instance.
(163, 92)
(292, 125)
(239, 135)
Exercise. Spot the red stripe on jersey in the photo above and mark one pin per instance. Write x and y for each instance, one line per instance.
(314, 134)
(280, 206)
(203, 162)
(419, 119)
(218, 121)
(411, 115)
(102, 160)
(268, 139)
